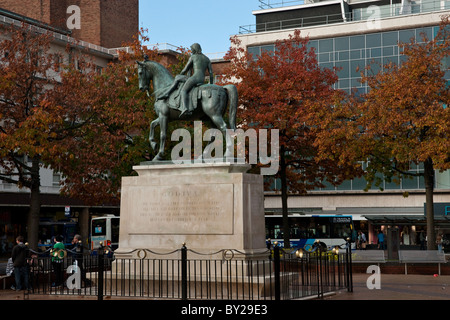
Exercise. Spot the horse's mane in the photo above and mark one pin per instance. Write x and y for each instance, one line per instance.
(158, 69)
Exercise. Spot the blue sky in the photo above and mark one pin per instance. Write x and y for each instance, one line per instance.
(184, 22)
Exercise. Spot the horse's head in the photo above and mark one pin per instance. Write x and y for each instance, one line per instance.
(144, 76)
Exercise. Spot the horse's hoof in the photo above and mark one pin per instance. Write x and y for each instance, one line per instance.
(153, 145)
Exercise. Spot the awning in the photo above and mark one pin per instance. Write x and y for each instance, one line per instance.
(439, 221)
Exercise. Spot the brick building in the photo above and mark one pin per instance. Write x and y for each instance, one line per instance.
(106, 23)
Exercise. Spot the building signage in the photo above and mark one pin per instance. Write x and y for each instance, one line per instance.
(440, 209)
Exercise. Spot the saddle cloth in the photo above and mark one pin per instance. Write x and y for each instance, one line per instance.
(174, 98)
(195, 95)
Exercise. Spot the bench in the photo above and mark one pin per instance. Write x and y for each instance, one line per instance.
(5, 272)
(3, 275)
(421, 256)
(368, 256)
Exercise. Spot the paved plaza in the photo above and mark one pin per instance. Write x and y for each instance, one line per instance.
(393, 287)
(397, 287)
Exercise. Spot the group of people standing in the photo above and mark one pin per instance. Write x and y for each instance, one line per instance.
(361, 241)
(20, 262)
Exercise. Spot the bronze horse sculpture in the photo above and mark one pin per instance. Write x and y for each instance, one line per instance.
(210, 101)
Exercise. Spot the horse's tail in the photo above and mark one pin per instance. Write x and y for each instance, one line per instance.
(232, 104)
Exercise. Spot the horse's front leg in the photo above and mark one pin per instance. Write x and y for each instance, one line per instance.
(151, 138)
(162, 139)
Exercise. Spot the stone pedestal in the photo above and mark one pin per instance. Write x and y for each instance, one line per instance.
(207, 206)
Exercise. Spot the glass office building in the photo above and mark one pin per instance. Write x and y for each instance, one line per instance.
(350, 35)
(350, 54)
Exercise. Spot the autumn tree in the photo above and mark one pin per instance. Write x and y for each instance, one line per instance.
(108, 120)
(287, 90)
(65, 115)
(402, 120)
(94, 156)
(26, 70)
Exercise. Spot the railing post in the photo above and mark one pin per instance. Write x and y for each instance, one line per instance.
(319, 272)
(276, 261)
(349, 266)
(101, 264)
(184, 272)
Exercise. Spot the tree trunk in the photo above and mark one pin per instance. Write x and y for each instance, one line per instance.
(429, 189)
(284, 196)
(35, 206)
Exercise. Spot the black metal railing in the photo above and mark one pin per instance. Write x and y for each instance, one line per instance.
(278, 274)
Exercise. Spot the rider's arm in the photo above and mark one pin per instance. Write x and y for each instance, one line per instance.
(187, 66)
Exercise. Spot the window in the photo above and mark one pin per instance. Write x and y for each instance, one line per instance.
(313, 44)
(115, 224)
(56, 179)
(326, 45)
(405, 36)
(343, 69)
(269, 48)
(343, 55)
(390, 38)
(373, 40)
(99, 227)
(255, 51)
(357, 42)
(342, 44)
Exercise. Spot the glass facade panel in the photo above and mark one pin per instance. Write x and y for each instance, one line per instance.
(326, 45)
(344, 55)
(405, 36)
(390, 38)
(342, 44)
(410, 183)
(343, 69)
(351, 55)
(424, 32)
(269, 48)
(356, 67)
(375, 53)
(388, 51)
(359, 184)
(346, 185)
(357, 42)
(313, 44)
(373, 40)
(356, 54)
(324, 57)
(255, 51)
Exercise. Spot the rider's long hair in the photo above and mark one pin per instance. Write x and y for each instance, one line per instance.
(196, 48)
